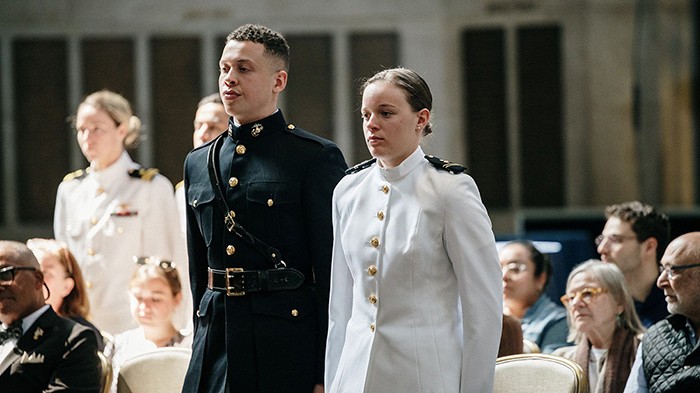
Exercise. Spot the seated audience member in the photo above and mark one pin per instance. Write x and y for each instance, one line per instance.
(39, 350)
(526, 272)
(603, 323)
(668, 359)
(511, 337)
(634, 238)
(156, 292)
(64, 280)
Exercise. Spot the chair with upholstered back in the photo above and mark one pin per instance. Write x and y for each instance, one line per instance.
(537, 372)
(160, 371)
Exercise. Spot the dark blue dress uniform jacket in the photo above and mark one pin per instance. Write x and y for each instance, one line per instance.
(279, 183)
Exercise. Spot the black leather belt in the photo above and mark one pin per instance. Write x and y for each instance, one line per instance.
(237, 282)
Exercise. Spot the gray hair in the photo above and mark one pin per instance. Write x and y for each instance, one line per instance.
(609, 277)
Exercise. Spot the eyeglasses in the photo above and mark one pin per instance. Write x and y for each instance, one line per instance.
(7, 273)
(586, 295)
(614, 239)
(513, 268)
(163, 264)
(671, 271)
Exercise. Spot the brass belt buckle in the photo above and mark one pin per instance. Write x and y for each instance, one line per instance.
(230, 291)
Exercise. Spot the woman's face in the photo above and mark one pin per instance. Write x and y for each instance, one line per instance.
(519, 282)
(56, 278)
(100, 138)
(591, 313)
(391, 128)
(153, 302)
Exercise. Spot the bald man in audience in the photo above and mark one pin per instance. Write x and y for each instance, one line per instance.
(39, 351)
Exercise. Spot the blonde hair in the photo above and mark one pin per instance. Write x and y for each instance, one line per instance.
(119, 109)
(609, 277)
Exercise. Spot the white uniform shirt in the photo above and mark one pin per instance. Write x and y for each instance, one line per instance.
(106, 217)
(416, 292)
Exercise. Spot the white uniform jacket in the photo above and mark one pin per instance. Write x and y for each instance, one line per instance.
(416, 293)
(106, 217)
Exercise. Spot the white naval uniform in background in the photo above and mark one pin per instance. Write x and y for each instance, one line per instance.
(106, 217)
(416, 292)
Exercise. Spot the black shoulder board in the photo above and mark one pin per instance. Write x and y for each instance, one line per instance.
(360, 166)
(143, 174)
(76, 175)
(451, 167)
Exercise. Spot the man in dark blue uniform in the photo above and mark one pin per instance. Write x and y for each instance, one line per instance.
(257, 196)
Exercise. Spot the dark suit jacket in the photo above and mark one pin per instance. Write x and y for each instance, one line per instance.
(54, 355)
(284, 180)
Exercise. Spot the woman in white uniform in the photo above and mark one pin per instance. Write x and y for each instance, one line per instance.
(416, 301)
(114, 210)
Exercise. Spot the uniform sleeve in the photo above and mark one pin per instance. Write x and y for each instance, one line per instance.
(326, 170)
(59, 215)
(340, 302)
(471, 247)
(196, 249)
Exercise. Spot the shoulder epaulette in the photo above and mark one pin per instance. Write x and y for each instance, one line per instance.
(143, 174)
(360, 166)
(76, 175)
(180, 184)
(445, 165)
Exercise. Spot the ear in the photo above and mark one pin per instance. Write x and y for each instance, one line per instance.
(178, 299)
(280, 81)
(541, 280)
(123, 130)
(649, 247)
(423, 118)
(68, 285)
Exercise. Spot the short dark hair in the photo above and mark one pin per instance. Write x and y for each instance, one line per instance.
(645, 221)
(274, 43)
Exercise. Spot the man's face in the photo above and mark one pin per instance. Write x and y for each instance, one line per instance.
(209, 121)
(682, 291)
(18, 291)
(620, 246)
(249, 81)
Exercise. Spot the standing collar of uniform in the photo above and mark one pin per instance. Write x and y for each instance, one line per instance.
(404, 168)
(113, 172)
(257, 129)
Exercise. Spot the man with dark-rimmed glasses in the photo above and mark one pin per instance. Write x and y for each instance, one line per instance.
(668, 359)
(39, 351)
(634, 238)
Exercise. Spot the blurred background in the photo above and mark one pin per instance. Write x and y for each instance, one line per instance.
(556, 107)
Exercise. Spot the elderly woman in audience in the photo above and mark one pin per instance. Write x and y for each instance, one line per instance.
(604, 325)
(156, 292)
(64, 280)
(526, 272)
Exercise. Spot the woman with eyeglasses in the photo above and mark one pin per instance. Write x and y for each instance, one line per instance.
(603, 324)
(114, 209)
(526, 272)
(64, 281)
(156, 292)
